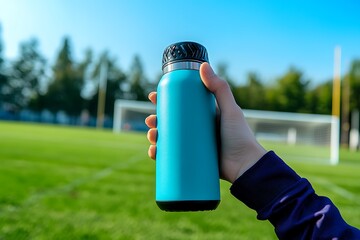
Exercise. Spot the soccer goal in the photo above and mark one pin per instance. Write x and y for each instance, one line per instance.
(305, 137)
(294, 136)
(130, 115)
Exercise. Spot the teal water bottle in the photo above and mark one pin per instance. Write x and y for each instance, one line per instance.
(187, 172)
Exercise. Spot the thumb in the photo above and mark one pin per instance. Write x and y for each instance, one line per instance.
(218, 87)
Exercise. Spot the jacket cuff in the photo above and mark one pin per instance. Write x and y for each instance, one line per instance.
(264, 182)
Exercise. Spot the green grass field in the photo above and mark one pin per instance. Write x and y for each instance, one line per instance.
(77, 183)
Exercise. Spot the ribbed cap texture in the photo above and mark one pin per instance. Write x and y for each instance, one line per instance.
(184, 51)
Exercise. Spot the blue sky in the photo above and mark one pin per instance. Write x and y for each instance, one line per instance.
(261, 35)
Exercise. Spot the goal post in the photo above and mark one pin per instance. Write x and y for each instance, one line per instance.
(294, 136)
(335, 140)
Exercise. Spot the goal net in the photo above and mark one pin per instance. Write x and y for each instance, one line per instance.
(297, 136)
(130, 115)
(293, 136)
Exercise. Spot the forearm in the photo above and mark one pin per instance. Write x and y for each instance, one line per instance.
(289, 202)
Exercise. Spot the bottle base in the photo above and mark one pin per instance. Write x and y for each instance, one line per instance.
(188, 206)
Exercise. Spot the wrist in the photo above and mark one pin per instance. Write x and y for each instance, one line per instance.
(254, 152)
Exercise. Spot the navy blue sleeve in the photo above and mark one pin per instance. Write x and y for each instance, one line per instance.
(289, 202)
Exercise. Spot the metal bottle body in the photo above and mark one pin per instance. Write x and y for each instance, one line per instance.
(187, 174)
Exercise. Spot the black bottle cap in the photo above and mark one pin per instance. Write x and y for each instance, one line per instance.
(184, 51)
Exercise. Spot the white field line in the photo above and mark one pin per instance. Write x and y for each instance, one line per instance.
(35, 198)
(342, 192)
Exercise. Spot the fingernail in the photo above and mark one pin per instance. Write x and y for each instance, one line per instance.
(150, 94)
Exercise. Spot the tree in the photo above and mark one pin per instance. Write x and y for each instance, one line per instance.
(137, 80)
(253, 93)
(115, 78)
(3, 76)
(25, 77)
(354, 80)
(1, 47)
(289, 93)
(319, 99)
(350, 99)
(64, 92)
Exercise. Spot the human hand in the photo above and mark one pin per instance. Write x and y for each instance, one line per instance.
(239, 149)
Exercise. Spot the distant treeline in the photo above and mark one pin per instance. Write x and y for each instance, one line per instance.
(29, 82)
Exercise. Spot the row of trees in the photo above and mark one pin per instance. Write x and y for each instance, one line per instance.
(292, 92)
(30, 82)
